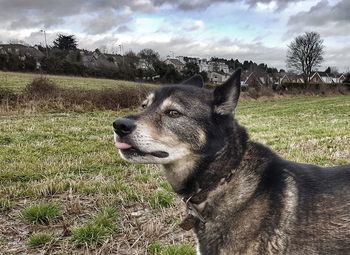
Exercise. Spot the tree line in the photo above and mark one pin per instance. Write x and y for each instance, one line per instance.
(64, 57)
(305, 53)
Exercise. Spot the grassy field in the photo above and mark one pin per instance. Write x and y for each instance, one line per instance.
(64, 189)
(17, 81)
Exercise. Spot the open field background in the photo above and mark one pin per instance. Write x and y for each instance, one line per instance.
(68, 159)
(18, 81)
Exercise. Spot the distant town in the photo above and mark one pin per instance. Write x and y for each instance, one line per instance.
(66, 58)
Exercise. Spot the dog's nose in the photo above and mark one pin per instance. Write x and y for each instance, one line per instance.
(123, 126)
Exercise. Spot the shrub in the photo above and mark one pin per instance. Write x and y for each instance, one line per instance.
(90, 234)
(42, 88)
(41, 213)
(39, 239)
(47, 94)
(97, 230)
(7, 95)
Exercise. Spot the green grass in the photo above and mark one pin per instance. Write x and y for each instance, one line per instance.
(38, 240)
(69, 159)
(176, 249)
(305, 129)
(5, 205)
(41, 213)
(161, 198)
(17, 81)
(97, 230)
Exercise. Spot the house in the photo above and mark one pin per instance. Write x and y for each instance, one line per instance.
(184, 60)
(320, 77)
(341, 78)
(97, 59)
(142, 64)
(284, 79)
(215, 66)
(323, 77)
(204, 65)
(21, 50)
(249, 79)
(218, 77)
(292, 78)
(179, 66)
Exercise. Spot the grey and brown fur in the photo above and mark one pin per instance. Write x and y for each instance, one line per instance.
(253, 202)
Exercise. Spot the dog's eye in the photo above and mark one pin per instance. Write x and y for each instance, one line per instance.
(144, 105)
(173, 113)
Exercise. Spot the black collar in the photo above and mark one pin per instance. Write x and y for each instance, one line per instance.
(193, 215)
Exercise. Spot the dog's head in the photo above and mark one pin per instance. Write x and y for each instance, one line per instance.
(179, 122)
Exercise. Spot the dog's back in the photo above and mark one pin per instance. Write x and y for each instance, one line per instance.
(323, 213)
(281, 207)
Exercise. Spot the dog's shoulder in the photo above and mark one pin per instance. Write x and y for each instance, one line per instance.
(308, 179)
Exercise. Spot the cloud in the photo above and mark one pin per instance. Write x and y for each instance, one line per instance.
(192, 25)
(195, 28)
(103, 22)
(97, 16)
(203, 4)
(339, 57)
(22, 14)
(270, 4)
(123, 29)
(323, 17)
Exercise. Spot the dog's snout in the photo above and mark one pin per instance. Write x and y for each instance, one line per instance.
(123, 126)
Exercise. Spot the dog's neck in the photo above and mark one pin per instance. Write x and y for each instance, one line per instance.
(191, 175)
(177, 173)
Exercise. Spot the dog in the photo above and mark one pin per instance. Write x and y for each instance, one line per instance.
(241, 197)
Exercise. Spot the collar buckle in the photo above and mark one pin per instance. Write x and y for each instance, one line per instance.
(193, 216)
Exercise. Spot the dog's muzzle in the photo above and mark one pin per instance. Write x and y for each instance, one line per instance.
(124, 127)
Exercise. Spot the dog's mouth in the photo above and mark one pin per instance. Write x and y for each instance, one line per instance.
(128, 149)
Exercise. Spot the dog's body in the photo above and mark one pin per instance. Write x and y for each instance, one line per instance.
(242, 198)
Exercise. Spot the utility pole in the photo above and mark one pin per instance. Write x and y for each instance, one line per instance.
(122, 51)
(47, 52)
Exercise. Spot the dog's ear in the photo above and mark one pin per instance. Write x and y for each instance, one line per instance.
(226, 96)
(196, 80)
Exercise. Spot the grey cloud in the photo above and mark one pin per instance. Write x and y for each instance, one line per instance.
(322, 14)
(104, 22)
(338, 57)
(30, 22)
(123, 29)
(50, 13)
(332, 22)
(64, 8)
(281, 4)
(203, 4)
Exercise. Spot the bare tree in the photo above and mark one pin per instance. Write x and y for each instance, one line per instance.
(305, 53)
(150, 56)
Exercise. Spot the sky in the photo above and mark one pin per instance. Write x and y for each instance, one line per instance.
(257, 30)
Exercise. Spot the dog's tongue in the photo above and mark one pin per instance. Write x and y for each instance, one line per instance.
(122, 146)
